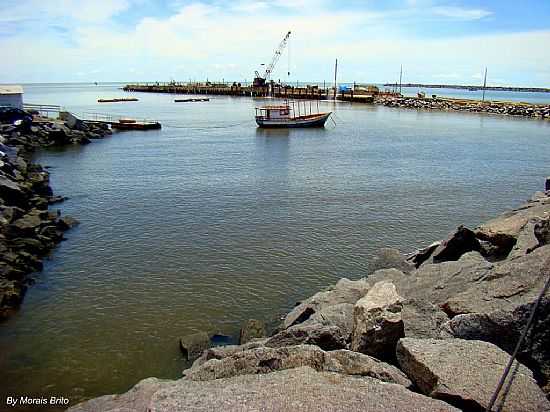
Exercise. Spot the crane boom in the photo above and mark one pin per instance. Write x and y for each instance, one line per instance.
(260, 81)
(276, 56)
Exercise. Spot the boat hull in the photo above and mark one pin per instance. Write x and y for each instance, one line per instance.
(298, 122)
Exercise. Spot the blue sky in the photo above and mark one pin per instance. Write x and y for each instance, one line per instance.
(436, 41)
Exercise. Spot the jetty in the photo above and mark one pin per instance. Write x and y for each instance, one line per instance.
(541, 111)
(115, 122)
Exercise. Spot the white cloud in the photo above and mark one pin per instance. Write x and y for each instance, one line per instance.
(77, 10)
(218, 41)
(460, 13)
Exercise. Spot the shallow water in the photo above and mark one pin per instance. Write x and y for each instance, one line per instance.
(211, 221)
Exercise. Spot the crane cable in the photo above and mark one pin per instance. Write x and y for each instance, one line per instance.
(546, 271)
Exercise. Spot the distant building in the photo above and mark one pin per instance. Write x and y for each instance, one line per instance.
(11, 96)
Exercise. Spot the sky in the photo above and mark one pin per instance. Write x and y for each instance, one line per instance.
(436, 41)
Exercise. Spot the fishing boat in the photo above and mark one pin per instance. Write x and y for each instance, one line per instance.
(288, 116)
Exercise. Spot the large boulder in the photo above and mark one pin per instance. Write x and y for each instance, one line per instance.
(300, 389)
(220, 352)
(259, 360)
(504, 328)
(465, 374)
(345, 291)
(267, 360)
(340, 315)
(377, 321)
(326, 337)
(11, 193)
(507, 284)
(503, 231)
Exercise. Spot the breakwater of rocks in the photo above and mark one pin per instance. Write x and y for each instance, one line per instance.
(430, 331)
(462, 105)
(28, 229)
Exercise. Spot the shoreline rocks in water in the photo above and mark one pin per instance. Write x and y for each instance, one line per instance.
(28, 230)
(437, 329)
(540, 111)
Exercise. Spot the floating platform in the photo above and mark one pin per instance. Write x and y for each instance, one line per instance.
(131, 124)
(191, 100)
(122, 99)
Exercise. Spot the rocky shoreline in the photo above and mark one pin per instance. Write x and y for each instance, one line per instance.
(462, 105)
(28, 229)
(432, 331)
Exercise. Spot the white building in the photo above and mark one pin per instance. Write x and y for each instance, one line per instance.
(11, 96)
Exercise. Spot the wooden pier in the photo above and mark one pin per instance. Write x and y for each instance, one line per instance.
(356, 94)
(235, 89)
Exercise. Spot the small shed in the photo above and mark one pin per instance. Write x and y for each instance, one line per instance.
(11, 96)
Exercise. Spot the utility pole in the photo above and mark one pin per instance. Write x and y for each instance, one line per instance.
(484, 85)
(335, 74)
(400, 78)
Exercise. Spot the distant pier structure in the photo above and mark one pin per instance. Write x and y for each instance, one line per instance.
(352, 93)
(235, 89)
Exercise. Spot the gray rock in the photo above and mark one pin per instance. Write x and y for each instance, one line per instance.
(340, 315)
(504, 230)
(193, 345)
(11, 192)
(137, 399)
(258, 360)
(326, 337)
(526, 241)
(465, 374)
(267, 360)
(377, 321)
(462, 241)
(220, 352)
(358, 364)
(388, 258)
(28, 224)
(422, 319)
(509, 283)
(420, 256)
(300, 389)
(504, 328)
(345, 291)
(252, 329)
(542, 232)
(67, 222)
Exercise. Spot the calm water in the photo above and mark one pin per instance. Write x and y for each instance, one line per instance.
(211, 221)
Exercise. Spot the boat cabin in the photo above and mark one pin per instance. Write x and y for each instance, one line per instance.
(273, 112)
